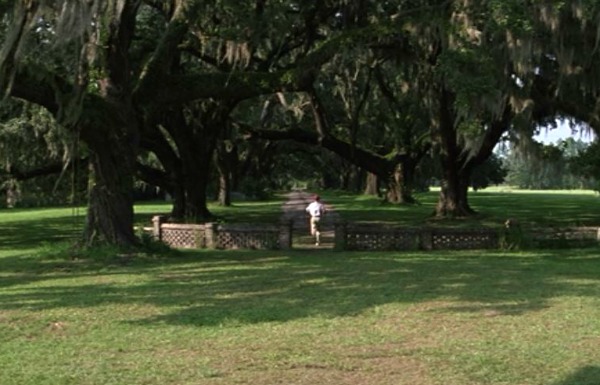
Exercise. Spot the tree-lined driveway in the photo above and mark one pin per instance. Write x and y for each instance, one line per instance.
(294, 209)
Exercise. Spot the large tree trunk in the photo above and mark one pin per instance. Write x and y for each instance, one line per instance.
(371, 184)
(195, 129)
(398, 186)
(224, 196)
(197, 156)
(395, 189)
(359, 179)
(110, 129)
(178, 208)
(13, 194)
(458, 163)
(196, 133)
(453, 198)
(195, 183)
(452, 201)
(110, 208)
(225, 161)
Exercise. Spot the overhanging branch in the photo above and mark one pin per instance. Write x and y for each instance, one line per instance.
(370, 161)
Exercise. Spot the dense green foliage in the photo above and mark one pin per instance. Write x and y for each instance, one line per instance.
(39, 159)
(567, 164)
(587, 164)
(191, 96)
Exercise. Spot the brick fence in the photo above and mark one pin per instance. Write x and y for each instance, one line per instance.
(352, 236)
(376, 237)
(222, 236)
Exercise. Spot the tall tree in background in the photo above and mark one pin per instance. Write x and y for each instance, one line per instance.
(110, 71)
(36, 166)
(586, 164)
(106, 86)
(100, 110)
(570, 74)
(564, 81)
(563, 165)
(224, 42)
(359, 107)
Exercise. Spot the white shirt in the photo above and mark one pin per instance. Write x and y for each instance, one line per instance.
(316, 209)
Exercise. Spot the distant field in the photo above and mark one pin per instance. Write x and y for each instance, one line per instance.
(494, 206)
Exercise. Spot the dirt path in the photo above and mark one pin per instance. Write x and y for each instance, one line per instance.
(294, 209)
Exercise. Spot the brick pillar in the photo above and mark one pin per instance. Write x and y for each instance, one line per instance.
(285, 234)
(426, 239)
(210, 232)
(157, 221)
(339, 236)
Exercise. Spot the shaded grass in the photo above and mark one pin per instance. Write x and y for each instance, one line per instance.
(325, 317)
(217, 317)
(26, 228)
(245, 211)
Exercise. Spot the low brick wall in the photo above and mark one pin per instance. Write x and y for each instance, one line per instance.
(354, 236)
(222, 236)
(182, 236)
(247, 236)
(377, 237)
(567, 236)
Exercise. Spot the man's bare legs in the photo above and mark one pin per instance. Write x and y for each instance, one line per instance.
(314, 229)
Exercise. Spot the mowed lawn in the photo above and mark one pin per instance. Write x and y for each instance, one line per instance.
(293, 317)
(558, 208)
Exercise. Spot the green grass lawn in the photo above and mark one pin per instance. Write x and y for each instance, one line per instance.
(295, 317)
(493, 206)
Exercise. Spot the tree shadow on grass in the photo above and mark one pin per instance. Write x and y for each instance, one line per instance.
(21, 235)
(246, 287)
(587, 375)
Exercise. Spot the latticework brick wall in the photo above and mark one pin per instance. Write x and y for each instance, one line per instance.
(459, 239)
(389, 238)
(573, 236)
(185, 236)
(223, 236)
(247, 237)
(375, 238)
(356, 236)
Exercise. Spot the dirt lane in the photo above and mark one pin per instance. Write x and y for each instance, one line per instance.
(294, 209)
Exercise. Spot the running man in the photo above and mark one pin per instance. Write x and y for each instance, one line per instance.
(316, 209)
